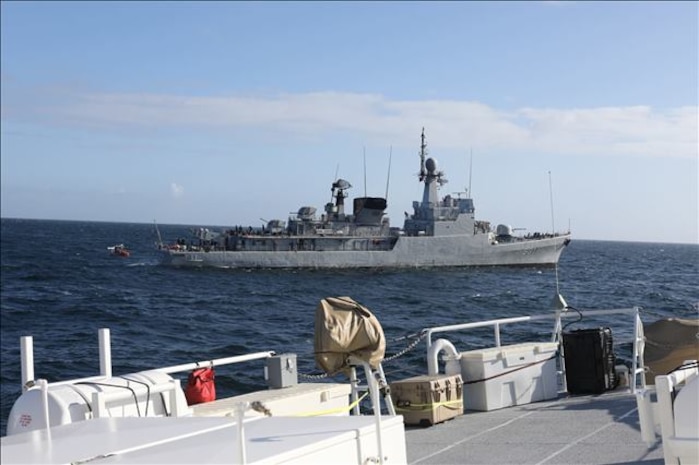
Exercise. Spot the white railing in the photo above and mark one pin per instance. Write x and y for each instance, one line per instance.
(105, 356)
(100, 400)
(637, 380)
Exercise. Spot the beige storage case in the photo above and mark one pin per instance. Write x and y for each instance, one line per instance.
(427, 400)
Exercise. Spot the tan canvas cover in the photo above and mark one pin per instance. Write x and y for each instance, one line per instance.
(669, 342)
(344, 327)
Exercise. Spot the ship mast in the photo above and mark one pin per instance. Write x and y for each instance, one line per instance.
(423, 153)
(430, 175)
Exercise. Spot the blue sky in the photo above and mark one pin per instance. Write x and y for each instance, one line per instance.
(223, 113)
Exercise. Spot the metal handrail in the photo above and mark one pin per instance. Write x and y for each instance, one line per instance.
(637, 368)
(27, 357)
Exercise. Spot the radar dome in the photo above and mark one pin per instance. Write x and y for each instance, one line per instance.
(431, 165)
(342, 184)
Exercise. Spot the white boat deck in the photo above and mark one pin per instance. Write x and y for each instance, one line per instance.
(561, 429)
(321, 440)
(591, 429)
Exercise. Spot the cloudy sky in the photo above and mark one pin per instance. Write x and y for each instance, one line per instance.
(224, 113)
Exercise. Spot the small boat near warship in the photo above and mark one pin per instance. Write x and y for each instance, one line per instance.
(440, 232)
(118, 250)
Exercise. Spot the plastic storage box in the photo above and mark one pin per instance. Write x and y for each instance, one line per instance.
(426, 400)
(503, 376)
(589, 361)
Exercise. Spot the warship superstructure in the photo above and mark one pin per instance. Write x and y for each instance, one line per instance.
(440, 232)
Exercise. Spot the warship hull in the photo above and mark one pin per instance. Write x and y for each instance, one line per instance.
(408, 252)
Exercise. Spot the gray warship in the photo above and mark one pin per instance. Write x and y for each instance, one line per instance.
(440, 233)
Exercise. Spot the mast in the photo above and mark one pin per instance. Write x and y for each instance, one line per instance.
(423, 153)
(430, 175)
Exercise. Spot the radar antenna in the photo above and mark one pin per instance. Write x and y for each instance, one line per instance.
(558, 303)
(332, 190)
(423, 154)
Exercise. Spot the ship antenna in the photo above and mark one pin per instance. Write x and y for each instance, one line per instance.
(423, 152)
(388, 176)
(160, 239)
(558, 303)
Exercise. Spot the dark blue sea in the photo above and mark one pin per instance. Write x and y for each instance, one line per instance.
(59, 285)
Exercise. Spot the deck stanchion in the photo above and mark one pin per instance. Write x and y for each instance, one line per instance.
(240, 416)
(637, 363)
(374, 389)
(105, 353)
(26, 347)
(44, 385)
(354, 382)
(176, 409)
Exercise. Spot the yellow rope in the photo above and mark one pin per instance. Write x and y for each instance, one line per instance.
(453, 404)
(334, 410)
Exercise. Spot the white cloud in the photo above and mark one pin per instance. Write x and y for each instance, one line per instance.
(176, 190)
(630, 130)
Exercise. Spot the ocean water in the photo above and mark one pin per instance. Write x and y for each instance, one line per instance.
(59, 285)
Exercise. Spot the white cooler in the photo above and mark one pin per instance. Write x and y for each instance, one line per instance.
(503, 376)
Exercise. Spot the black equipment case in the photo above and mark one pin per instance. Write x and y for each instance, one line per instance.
(589, 361)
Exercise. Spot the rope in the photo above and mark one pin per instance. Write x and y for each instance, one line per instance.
(450, 404)
(333, 410)
(261, 408)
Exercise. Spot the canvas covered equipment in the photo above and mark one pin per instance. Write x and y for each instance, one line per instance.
(669, 342)
(345, 328)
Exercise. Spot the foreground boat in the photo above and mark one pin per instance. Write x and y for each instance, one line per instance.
(512, 417)
(440, 232)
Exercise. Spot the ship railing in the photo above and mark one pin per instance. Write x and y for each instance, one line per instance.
(101, 402)
(105, 360)
(637, 380)
(375, 380)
